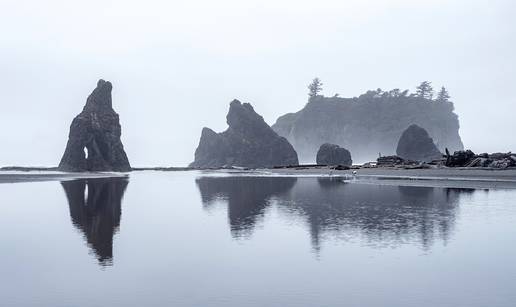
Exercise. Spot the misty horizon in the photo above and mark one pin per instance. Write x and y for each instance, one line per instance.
(175, 69)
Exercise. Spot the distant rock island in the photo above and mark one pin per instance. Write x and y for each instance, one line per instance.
(415, 144)
(369, 124)
(248, 142)
(94, 141)
(331, 154)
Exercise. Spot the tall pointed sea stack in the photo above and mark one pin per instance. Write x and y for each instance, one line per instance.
(94, 141)
(248, 142)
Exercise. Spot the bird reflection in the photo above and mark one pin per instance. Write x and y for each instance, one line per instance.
(247, 198)
(377, 215)
(95, 209)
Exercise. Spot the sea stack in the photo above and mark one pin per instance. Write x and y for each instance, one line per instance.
(415, 144)
(248, 142)
(94, 141)
(331, 154)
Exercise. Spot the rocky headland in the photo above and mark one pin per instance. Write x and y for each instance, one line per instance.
(368, 125)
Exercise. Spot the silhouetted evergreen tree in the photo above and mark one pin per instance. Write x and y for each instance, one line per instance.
(425, 90)
(443, 95)
(315, 88)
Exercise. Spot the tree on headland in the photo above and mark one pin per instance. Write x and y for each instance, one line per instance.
(443, 95)
(315, 88)
(425, 90)
(395, 93)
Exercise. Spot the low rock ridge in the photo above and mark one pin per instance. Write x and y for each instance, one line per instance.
(248, 142)
(94, 142)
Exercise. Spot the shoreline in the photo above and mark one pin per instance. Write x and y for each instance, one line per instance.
(438, 177)
(474, 178)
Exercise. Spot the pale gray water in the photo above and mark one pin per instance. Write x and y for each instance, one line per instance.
(187, 239)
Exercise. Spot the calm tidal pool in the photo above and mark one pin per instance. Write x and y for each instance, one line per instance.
(194, 239)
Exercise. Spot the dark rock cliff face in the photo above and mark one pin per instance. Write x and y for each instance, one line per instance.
(94, 141)
(415, 144)
(248, 142)
(367, 125)
(331, 154)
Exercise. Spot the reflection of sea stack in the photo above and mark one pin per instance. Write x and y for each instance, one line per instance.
(95, 209)
(247, 142)
(382, 214)
(94, 141)
(247, 197)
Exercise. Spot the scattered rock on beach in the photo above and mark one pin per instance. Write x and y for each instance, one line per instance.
(331, 154)
(468, 159)
(248, 142)
(415, 144)
(94, 140)
(459, 158)
(389, 161)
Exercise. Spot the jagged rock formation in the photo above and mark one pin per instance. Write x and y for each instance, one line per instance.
(248, 142)
(331, 154)
(94, 141)
(367, 125)
(415, 144)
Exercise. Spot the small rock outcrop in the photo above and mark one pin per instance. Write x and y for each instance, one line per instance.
(94, 141)
(331, 154)
(248, 142)
(415, 144)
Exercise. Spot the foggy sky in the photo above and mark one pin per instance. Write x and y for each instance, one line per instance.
(176, 65)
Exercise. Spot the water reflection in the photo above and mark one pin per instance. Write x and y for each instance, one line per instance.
(379, 215)
(95, 209)
(247, 198)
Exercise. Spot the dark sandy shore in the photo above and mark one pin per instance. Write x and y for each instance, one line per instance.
(26, 176)
(432, 173)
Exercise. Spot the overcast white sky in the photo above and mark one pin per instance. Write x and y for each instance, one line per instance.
(176, 65)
